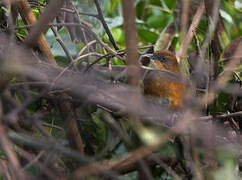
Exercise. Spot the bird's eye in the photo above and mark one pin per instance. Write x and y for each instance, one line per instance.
(163, 58)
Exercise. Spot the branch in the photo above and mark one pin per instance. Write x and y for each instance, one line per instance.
(29, 19)
(42, 24)
(36, 35)
(131, 40)
(105, 26)
(187, 40)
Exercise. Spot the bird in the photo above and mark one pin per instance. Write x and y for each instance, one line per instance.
(157, 84)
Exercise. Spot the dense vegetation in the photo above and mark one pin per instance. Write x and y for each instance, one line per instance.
(71, 96)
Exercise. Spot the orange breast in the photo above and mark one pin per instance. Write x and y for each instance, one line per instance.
(155, 86)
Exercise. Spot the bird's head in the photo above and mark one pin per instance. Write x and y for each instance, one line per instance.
(163, 60)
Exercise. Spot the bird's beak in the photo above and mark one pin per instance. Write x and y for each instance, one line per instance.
(151, 56)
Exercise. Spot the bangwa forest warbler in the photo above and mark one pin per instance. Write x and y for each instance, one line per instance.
(156, 85)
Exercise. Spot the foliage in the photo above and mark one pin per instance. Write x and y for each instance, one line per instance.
(35, 110)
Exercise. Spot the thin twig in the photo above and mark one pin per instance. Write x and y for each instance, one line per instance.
(62, 44)
(86, 46)
(33, 161)
(86, 55)
(168, 169)
(239, 113)
(52, 126)
(7, 147)
(101, 18)
(187, 40)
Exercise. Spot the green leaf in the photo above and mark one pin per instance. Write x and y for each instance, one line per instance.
(110, 6)
(159, 21)
(113, 4)
(226, 16)
(101, 131)
(147, 35)
(238, 5)
(116, 61)
(223, 99)
(62, 60)
(155, 2)
(140, 9)
(118, 35)
(170, 3)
